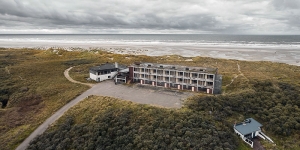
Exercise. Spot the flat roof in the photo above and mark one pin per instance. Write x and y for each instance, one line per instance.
(177, 67)
(107, 66)
(248, 126)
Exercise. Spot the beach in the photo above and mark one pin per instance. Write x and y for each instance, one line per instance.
(285, 49)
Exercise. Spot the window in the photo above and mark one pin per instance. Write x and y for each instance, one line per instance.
(160, 71)
(186, 74)
(180, 73)
(210, 77)
(210, 83)
(194, 75)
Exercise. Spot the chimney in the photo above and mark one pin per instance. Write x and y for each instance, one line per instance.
(116, 65)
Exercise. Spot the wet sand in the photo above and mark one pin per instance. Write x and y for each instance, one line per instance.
(275, 54)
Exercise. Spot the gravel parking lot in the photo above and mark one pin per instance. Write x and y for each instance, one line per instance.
(140, 94)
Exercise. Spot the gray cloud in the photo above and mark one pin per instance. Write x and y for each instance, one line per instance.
(152, 16)
(286, 4)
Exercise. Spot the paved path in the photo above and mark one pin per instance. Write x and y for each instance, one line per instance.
(66, 73)
(108, 88)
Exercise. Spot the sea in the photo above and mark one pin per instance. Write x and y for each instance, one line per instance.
(277, 48)
(263, 41)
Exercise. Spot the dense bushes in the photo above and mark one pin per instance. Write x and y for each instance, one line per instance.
(276, 105)
(202, 124)
(136, 127)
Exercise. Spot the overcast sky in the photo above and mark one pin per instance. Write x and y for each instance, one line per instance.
(150, 16)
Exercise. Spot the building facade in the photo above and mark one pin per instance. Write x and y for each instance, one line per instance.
(179, 77)
(105, 71)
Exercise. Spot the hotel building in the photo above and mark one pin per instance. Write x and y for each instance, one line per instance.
(179, 77)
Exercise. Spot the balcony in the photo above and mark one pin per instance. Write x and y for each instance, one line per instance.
(209, 79)
(185, 77)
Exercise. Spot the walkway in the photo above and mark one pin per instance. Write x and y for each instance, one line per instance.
(108, 88)
(66, 73)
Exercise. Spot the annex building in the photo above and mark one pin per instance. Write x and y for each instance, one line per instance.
(249, 129)
(175, 76)
(106, 71)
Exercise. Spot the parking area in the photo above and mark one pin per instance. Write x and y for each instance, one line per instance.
(140, 94)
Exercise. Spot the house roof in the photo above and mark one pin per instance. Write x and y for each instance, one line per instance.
(248, 126)
(107, 66)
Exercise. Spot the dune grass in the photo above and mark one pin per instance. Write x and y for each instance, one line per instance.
(33, 83)
(36, 88)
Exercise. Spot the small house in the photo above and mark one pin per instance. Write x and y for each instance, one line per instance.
(249, 129)
(105, 71)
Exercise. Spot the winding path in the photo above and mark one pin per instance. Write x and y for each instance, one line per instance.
(108, 88)
(240, 74)
(67, 75)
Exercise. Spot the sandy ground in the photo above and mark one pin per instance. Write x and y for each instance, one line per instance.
(288, 55)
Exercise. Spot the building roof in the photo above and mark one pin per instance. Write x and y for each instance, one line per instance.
(248, 126)
(177, 67)
(107, 66)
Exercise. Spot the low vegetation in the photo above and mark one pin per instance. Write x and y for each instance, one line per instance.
(108, 123)
(275, 105)
(32, 87)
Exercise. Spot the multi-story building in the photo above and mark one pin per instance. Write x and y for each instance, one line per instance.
(174, 76)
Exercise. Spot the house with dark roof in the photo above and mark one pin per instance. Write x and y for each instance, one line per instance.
(249, 129)
(106, 71)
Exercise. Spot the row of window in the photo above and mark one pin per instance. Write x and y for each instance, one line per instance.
(174, 80)
(137, 75)
(185, 74)
(202, 84)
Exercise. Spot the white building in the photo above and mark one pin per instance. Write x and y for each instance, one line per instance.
(250, 129)
(105, 71)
